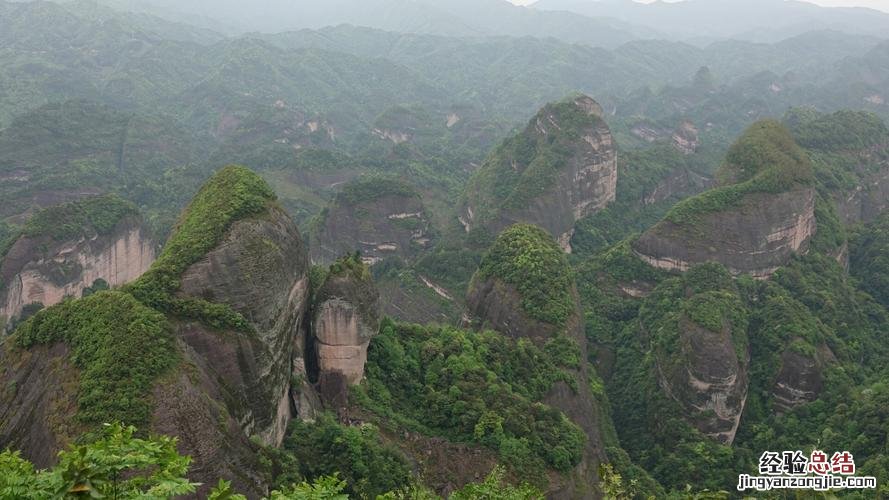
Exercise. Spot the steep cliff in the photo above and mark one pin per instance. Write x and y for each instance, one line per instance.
(761, 215)
(562, 167)
(64, 250)
(525, 289)
(700, 346)
(850, 153)
(203, 346)
(345, 316)
(378, 217)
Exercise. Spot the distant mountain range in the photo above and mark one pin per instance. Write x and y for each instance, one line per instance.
(706, 20)
(604, 23)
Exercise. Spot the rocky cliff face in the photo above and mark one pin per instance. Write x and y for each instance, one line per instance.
(800, 377)
(45, 272)
(561, 168)
(346, 315)
(756, 239)
(495, 300)
(710, 381)
(697, 327)
(380, 218)
(232, 284)
(259, 269)
(685, 138)
(60, 254)
(763, 212)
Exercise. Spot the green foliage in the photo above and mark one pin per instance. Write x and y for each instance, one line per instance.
(843, 130)
(373, 188)
(99, 285)
(525, 166)
(350, 266)
(495, 488)
(323, 447)
(86, 217)
(869, 259)
(527, 258)
(8, 235)
(232, 194)
(120, 345)
(476, 387)
(765, 159)
(638, 174)
(117, 465)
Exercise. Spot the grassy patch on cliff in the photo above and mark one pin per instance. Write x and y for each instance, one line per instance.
(232, 194)
(478, 387)
(120, 345)
(765, 159)
(527, 258)
(95, 215)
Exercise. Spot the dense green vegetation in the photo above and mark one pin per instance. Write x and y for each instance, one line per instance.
(232, 194)
(527, 258)
(117, 465)
(765, 159)
(869, 256)
(374, 188)
(324, 447)
(807, 307)
(524, 166)
(120, 345)
(639, 173)
(843, 130)
(477, 387)
(98, 215)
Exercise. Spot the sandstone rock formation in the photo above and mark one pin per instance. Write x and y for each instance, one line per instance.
(259, 269)
(685, 138)
(561, 168)
(757, 239)
(800, 377)
(378, 217)
(762, 213)
(710, 381)
(346, 315)
(495, 301)
(697, 328)
(233, 289)
(42, 268)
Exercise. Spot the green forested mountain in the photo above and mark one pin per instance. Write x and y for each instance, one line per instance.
(425, 249)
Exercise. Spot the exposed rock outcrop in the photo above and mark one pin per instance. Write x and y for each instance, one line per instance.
(346, 315)
(762, 214)
(697, 327)
(44, 268)
(378, 217)
(710, 381)
(800, 377)
(259, 269)
(561, 168)
(495, 301)
(685, 138)
(756, 239)
(232, 284)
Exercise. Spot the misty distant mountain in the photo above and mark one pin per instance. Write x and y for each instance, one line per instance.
(754, 20)
(451, 18)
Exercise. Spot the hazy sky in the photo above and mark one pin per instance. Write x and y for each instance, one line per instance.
(874, 4)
